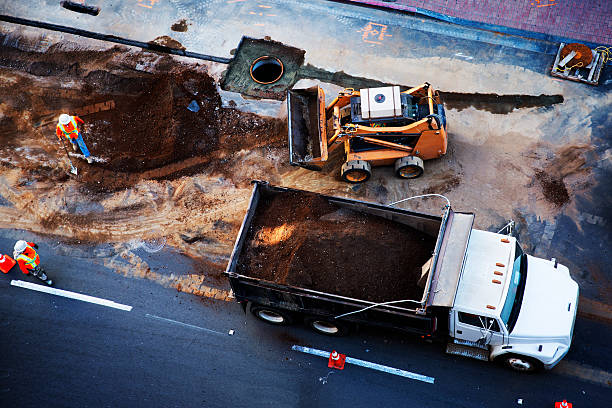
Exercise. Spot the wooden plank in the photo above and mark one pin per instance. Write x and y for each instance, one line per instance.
(593, 68)
(567, 58)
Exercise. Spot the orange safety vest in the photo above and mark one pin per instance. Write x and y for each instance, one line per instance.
(68, 133)
(29, 257)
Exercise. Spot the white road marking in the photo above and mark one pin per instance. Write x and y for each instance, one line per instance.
(71, 295)
(184, 324)
(367, 364)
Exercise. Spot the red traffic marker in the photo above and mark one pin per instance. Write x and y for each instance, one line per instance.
(6, 263)
(563, 404)
(336, 360)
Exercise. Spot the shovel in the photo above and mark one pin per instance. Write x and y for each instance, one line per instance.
(73, 169)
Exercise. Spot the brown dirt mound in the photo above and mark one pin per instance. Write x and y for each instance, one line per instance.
(155, 127)
(554, 189)
(303, 240)
(144, 129)
(568, 161)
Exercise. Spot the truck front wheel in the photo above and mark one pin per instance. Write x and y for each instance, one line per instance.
(271, 315)
(327, 327)
(520, 363)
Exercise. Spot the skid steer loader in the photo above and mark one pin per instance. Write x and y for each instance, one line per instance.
(376, 126)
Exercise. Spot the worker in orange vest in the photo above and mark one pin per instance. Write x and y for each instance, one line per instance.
(28, 260)
(67, 127)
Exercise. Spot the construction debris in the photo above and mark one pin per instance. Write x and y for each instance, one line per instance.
(577, 62)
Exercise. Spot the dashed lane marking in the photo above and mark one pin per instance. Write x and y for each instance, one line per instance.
(191, 326)
(367, 364)
(584, 372)
(71, 295)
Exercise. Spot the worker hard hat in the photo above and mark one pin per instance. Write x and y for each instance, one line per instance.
(20, 246)
(64, 119)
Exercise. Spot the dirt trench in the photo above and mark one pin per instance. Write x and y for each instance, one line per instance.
(160, 168)
(139, 125)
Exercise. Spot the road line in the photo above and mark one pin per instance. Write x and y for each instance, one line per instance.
(184, 324)
(367, 364)
(71, 295)
(584, 372)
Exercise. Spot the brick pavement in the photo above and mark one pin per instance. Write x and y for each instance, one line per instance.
(555, 20)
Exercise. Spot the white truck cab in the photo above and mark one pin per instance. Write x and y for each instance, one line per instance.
(510, 306)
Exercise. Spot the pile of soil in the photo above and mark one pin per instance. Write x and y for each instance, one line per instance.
(302, 239)
(553, 188)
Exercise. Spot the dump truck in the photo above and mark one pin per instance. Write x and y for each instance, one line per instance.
(376, 126)
(336, 263)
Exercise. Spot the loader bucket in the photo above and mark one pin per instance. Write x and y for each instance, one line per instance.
(307, 136)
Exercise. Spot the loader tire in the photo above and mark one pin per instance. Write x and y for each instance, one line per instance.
(356, 171)
(409, 167)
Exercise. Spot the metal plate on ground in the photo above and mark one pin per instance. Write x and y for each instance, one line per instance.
(238, 77)
(588, 74)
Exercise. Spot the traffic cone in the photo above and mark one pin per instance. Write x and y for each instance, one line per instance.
(336, 360)
(6, 263)
(563, 404)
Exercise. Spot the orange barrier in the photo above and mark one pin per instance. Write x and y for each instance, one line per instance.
(6, 263)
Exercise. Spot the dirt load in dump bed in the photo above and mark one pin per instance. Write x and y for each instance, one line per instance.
(303, 240)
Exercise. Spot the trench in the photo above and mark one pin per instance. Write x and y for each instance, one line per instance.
(498, 104)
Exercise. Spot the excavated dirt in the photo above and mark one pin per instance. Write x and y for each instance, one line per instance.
(567, 162)
(304, 240)
(137, 123)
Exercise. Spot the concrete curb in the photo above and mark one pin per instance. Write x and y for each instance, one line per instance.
(469, 23)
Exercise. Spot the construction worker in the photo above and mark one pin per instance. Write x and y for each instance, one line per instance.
(67, 127)
(26, 256)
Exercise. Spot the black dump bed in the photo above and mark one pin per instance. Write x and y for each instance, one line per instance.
(318, 254)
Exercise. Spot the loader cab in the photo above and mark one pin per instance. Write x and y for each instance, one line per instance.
(408, 111)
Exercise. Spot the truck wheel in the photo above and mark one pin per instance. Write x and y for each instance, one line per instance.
(271, 315)
(409, 167)
(327, 327)
(356, 171)
(521, 363)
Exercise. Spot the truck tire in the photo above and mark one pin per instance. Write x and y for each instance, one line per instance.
(328, 327)
(409, 167)
(520, 363)
(356, 171)
(272, 315)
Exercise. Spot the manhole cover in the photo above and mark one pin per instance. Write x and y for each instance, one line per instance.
(263, 69)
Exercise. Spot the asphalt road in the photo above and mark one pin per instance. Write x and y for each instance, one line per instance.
(174, 350)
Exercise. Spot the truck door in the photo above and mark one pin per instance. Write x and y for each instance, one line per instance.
(478, 329)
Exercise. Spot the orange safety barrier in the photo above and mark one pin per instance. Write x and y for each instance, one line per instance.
(6, 263)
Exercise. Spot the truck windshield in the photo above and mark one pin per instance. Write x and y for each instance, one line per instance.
(512, 305)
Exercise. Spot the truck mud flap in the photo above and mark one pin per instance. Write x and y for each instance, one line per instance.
(307, 135)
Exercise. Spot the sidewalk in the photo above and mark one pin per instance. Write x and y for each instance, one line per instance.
(553, 20)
